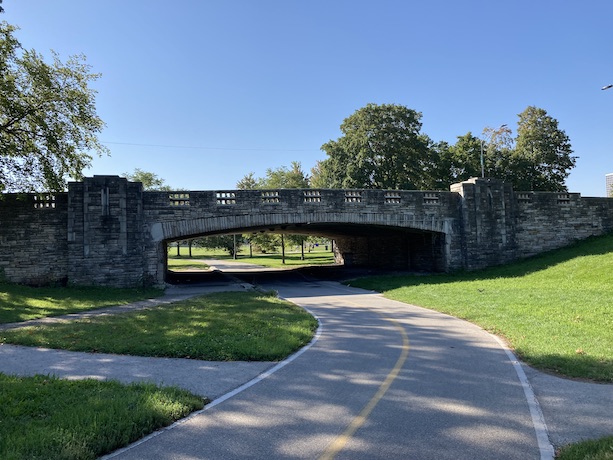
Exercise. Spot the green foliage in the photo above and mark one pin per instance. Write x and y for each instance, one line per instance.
(555, 309)
(224, 242)
(465, 158)
(228, 326)
(542, 157)
(279, 178)
(248, 182)
(44, 417)
(48, 120)
(284, 177)
(265, 243)
(150, 181)
(381, 147)
(21, 303)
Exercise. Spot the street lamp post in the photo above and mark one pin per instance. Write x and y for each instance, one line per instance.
(490, 138)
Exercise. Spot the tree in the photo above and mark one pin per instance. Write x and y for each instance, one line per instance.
(542, 157)
(281, 177)
(248, 182)
(381, 147)
(322, 175)
(286, 178)
(150, 180)
(436, 167)
(225, 242)
(48, 120)
(465, 158)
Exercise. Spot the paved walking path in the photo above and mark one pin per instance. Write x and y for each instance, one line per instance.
(455, 396)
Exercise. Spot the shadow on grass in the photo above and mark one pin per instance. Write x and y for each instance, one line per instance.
(581, 367)
(591, 247)
(22, 303)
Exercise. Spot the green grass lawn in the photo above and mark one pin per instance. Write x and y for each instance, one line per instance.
(291, 259)
(177, 264)
(598, 449)
(318, 256)
(21, 303)
(44, 417)
(228, 326)
(555, 310)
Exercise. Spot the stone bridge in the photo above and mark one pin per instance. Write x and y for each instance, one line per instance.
(108, 231)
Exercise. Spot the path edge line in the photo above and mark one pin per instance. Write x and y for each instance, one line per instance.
(224, 397)
(538, 419)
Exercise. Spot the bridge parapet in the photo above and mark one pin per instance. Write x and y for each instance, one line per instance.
(232, 200)
(107, 231)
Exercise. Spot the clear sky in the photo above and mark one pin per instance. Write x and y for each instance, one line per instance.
(203, 92)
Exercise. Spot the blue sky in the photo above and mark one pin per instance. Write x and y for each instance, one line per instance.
(203, 92)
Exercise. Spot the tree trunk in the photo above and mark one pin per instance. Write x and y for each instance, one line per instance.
(282, 249)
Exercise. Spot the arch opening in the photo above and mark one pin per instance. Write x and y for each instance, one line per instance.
(372, 246)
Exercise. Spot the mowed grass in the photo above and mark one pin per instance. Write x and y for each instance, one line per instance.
(291, 259)
(555, 310)
(44, 417)
(600, 449)
(318, 256)
(21, 303)
(176, 264)
(228, 326)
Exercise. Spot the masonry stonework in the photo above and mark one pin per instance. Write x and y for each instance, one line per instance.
(108, 231)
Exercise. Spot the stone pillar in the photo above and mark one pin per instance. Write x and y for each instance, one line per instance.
(105, 232)
(487, 222)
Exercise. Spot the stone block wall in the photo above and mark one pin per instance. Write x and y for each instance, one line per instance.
(547, 221)
(33, 247)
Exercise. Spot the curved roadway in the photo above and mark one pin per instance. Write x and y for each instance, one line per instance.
(382, 380)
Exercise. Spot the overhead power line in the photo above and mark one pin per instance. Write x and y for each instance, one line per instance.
(206, 148)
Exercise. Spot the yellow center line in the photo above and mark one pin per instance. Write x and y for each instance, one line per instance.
(340, 442)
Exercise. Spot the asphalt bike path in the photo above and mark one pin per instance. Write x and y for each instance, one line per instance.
(382, 380)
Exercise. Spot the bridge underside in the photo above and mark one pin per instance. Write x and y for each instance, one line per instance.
(361, 245)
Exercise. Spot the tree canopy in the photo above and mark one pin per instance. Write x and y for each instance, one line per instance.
(48, 120)
(150, 181)
(542, 157)
(382, 147)
(281, 177)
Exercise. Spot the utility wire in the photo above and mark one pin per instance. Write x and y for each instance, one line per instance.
(205, 148)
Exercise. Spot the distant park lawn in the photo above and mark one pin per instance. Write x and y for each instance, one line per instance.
(181, 264)
(319, 255)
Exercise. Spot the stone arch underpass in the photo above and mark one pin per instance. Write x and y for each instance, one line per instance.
(107, 231)
(371, 240)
